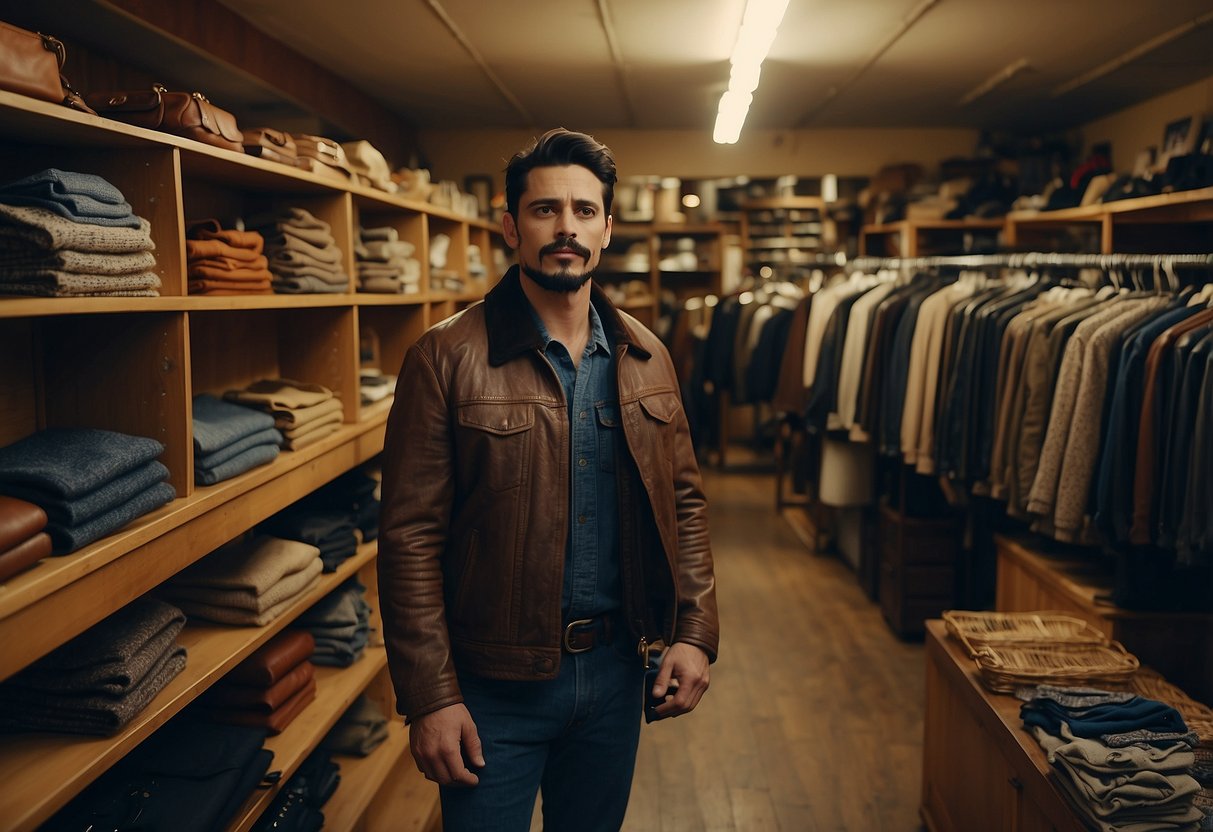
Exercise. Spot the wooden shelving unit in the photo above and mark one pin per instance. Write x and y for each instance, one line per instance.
(913, 238)
(134, 365)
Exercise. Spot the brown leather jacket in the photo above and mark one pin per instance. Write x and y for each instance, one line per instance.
(475, 503)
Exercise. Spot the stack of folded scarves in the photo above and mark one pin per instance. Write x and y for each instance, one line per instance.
(100, 680)
(89, 482)
(386, 263)
(68, 234)
(270, 688)
(303, 255)
(1123, 760)
(340, 624)
(23, 539)
(249, 582)
(230, 439)
(225, 261)
(305, 413)
(359, 731)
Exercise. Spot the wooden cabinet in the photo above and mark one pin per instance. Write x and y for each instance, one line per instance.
(980, 769)
(917, 579)
(782, 236)
(133, 365)
(917, 238)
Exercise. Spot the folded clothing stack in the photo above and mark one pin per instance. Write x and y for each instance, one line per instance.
(332, 532)
(68, 234)
(230, 439)
(359, 731)
(269, 688)
(189, 776)
(23, 539)
(303, 255)
(368, 166)
(386, 263)
(89, 482)
(340, 624)
(100, 680)
(225, 261)
(305, 413)
(247, 582)
(297, 806)
(1123, 760)
(355, 494)
(375, 386)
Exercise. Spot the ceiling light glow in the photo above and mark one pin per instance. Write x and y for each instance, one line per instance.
(758, 27)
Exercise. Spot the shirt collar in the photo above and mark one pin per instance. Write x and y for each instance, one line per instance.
(598, 339)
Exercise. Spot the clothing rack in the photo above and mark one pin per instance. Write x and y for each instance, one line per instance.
(1033, 260)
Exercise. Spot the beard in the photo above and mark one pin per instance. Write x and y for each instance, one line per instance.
(562, 280)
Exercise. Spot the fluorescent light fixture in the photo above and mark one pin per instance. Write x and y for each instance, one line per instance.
(758, 27)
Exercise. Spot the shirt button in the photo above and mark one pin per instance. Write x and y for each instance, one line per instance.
(581, 518)
(581, 462)
(582, 414)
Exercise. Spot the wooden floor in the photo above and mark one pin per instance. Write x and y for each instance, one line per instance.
(813, 722)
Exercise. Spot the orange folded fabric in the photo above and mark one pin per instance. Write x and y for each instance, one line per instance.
(236, 287)
(202, 271)
(199, 249)
(258, 262)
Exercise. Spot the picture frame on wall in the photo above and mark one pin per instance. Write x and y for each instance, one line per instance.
(1178, 138)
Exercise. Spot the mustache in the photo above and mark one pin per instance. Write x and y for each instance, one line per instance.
(565, 244)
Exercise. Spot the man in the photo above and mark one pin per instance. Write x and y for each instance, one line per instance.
(542, 520)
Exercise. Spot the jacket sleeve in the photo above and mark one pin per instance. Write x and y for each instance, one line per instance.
(414, 518)
(697, 622)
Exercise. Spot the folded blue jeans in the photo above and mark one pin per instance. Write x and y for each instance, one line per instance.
(71, 462)
(218, 423)
(575, 737)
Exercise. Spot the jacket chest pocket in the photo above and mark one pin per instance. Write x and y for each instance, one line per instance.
(607, 424)
(494, 443)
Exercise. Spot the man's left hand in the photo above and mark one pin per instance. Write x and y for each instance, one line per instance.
(683, 679)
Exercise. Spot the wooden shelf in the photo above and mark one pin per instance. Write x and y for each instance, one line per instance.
(361, 778)
(26, 759)
(336, 690)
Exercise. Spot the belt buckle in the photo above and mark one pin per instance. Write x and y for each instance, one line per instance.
(568, 631)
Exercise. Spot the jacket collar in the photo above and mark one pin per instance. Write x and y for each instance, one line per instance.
(512, 331)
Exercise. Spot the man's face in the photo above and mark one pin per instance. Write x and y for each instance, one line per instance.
(561, 227)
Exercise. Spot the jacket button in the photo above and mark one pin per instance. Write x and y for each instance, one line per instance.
(544, 665)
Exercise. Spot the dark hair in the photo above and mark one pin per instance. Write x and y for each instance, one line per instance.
(555, 148)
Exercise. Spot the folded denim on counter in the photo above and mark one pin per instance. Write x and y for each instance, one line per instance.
(72, 462)
(28, 229)
(237, 465)
(1105, 718)
(68, 539)
(219, 422)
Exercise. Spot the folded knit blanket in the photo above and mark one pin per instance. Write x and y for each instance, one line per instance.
(287, 588)
(331, 421)
(238, 617)
(38, 228)
(67, 284)
(287, 418)
(77, 510)
(250, 566)
(76, 262)
(71, 462)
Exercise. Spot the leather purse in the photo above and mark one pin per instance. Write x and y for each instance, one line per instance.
(188, 114)
(271, 144)
(31, 63)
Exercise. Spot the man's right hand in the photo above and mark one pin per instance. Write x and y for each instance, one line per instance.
(441, 740)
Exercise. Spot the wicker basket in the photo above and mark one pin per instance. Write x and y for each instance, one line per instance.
(976, 630)
(1003, 668)
(1199, 717)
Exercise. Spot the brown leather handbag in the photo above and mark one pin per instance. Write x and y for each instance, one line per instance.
(31, 64)
(268, 143)
(322, 156)
(188, 114)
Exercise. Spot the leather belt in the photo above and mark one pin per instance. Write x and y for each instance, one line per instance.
(585, 634)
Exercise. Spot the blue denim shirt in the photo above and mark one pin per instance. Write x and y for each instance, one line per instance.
(591, 561)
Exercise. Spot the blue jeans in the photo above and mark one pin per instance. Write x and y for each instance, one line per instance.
(574, 736)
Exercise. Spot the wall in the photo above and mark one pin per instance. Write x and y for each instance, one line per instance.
(1135, 128)
(452, 154)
